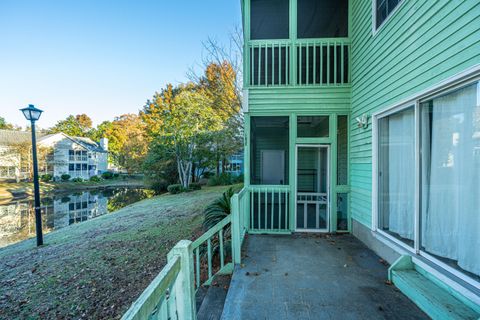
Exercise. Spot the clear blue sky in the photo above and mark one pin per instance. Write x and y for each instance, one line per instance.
(101, 57)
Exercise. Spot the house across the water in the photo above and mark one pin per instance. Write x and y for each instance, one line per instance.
(59, 154)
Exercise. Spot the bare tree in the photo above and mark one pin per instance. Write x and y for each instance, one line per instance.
(219, 53)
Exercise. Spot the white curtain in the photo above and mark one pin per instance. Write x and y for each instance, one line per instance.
(401, 173)
(451, 178)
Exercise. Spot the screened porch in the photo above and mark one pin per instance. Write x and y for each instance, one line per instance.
(296, 176)
(297, 43)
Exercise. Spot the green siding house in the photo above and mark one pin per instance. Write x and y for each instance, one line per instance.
(363, 116)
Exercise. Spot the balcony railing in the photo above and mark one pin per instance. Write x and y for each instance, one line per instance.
(305, 62)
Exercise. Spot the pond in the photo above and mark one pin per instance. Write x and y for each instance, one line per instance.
(17, 217)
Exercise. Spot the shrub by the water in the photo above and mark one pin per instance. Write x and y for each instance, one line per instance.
(78, 179)
(65, 177)
(95, 179)
(175, 188)
(46, 177)
(159, 186)
(107, 175)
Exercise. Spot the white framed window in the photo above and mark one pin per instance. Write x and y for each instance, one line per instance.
(426, 177)
(382, 11)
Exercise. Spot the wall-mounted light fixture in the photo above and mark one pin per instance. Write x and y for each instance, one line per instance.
(362, 121)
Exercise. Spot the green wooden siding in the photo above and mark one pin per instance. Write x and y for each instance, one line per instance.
(421, 44)
(299, 99)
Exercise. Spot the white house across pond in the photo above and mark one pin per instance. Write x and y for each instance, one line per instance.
(78, 157)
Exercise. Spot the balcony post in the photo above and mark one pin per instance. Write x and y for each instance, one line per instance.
(236, 227)
(184, 286)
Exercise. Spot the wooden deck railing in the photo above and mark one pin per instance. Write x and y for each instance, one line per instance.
(302, 62)
(269, 209)
(171, 295)
(209, 246)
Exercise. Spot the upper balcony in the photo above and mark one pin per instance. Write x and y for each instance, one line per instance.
(296, 43)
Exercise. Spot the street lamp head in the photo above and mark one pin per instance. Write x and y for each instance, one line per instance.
(31, 113)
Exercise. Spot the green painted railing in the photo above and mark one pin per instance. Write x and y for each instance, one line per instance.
(269, 209)
(171, 295)
(209, 246)
(239, 206)
(301, 62)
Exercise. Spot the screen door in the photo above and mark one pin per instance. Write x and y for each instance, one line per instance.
(312, 188)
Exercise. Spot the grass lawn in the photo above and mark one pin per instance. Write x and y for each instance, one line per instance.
(96, 269)
(7, 188)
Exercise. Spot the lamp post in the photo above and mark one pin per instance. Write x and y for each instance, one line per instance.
(33, 114)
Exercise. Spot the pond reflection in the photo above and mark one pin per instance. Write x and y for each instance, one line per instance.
(17, 217)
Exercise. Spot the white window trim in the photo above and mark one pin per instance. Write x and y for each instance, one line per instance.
(374, 16)
(460, 80)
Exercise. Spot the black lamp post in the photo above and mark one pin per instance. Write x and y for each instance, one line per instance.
(33, 114)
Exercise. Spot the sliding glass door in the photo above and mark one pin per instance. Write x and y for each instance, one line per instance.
(428, 178)
(396, 175)
(450, 166)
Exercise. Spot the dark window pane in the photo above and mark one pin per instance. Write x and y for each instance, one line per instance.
(342, 150)
(312, 127)
(342, 211)
(322, 19)
(269, 19)
(78, 167)
(384, 9)
(269, 150)
(71, 167)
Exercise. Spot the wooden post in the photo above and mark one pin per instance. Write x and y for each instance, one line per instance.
(236, 237)
(184, 286)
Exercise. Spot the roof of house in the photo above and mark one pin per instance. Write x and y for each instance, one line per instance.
(88, 143)
(12, 137)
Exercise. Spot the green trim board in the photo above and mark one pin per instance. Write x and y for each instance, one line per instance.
(434, 297)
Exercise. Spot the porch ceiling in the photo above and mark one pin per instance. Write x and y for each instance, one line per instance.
(313, 277)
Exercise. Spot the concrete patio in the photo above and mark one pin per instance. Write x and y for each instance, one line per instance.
(313, 277)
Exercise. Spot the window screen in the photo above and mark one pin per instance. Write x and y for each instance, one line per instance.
(322, 19)
(269, 19)
(312, 126)
(269, 150)
(383, 9)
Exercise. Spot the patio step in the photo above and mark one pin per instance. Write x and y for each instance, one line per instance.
(434, 300)
(212, 305)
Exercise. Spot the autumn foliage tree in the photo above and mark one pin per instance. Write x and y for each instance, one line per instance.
(75, 126)
(178, 120)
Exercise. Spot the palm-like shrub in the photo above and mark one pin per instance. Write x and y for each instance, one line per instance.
(218, 210)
